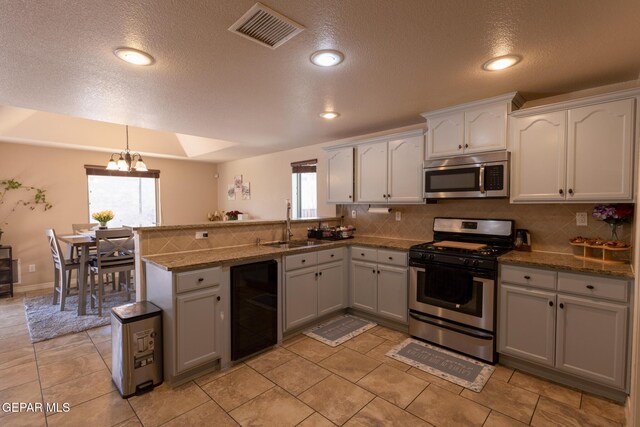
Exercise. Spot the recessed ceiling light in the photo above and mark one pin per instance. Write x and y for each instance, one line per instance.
(501, 62)
(134, 56)
(327, 58)
(329, 115)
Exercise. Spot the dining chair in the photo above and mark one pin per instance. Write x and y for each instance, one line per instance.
(63, 268)
(114, 254)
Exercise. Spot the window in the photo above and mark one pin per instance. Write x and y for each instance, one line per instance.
(132, 196)
(304, 189)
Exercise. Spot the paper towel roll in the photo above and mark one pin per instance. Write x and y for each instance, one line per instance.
(379, 210)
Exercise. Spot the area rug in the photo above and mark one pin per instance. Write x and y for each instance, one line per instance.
(46, 321)
(339, 330)
(464, 371)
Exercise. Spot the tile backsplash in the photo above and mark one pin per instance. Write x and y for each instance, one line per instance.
(550, 225)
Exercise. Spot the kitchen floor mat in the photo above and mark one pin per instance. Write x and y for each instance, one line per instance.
(453, 367)
(339, 330)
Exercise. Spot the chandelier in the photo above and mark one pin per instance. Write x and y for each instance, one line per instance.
(127, 161)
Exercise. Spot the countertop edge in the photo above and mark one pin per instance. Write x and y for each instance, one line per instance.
(221, 224)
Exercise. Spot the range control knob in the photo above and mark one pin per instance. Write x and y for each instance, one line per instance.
(423, 256)
(476, 262)
(466, 261)
(431, 256)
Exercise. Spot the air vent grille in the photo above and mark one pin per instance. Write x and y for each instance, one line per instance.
(266, 26)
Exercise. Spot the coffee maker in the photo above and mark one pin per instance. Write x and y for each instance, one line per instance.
(523, 240)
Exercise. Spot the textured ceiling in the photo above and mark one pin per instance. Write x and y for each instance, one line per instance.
(403, 57)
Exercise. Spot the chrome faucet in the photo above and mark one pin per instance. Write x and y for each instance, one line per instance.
(287, 233)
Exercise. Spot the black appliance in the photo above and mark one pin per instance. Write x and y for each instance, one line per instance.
(254, 308)
(453, 284)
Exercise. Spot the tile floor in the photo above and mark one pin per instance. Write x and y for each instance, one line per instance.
(303, 382)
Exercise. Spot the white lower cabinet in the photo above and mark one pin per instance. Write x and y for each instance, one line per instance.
(314, 285)
(580, 326)
(380, 287)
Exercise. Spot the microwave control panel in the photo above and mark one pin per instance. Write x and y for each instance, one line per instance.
(494, 177)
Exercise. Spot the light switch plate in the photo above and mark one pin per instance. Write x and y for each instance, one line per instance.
(353, 213)
(202, 234)
(398, 215)
(581, 219)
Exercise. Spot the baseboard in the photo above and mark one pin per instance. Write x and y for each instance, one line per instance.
(34, 287)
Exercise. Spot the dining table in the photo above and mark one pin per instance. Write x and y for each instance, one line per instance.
(82, 243)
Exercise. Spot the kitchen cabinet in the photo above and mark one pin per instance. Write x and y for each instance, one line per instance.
(379, 282)
(195, 308)
(340, 175)
(580, 326)
(582, 154)
(6, 271)
(474, 127)
(315, 285)
(390, 170)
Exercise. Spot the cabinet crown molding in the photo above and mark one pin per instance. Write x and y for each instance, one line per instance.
(389, 137)
(578, 102)
(514, 98)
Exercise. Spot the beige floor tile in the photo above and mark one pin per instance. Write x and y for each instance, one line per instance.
(70, 339)
(292, 340)
(550, 412)
(16, 375)
(350, 364)
(380, 353)
(165, 403)
(379, 412)
(389, 334)
(80, 389)
(12, 319)
(131, 422)
(207, 414)
(236, 388)
(547, 388)
(17, 357)
(100, 334)
(502, 373)
(393, 385)
(312, 350)
(14, 343)
(107, 360)
(271, 359)
(275, 407)
(65, 353)
(336, 399)
(496, 419)
(297, 375)
(443, 408)
(604, 408)
(104, 347)
(24, 419)
(10, 331)
(27, 392)
(316, 420)
(442, 383)
(364, 343)
(207, 378)
(67, 370)
(106, 411)
(505, 398)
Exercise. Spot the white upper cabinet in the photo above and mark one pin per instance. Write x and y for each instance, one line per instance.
(340, 175)
(581, 154)
(470, 128)
(390, 170)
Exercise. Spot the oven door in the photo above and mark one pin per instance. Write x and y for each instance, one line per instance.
(457, 294)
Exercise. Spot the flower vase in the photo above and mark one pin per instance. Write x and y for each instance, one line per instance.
(614, 231)
(103, 225)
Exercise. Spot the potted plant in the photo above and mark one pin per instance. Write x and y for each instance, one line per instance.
(614, 215)
(39, 198)
(233, 215)
(103, 217)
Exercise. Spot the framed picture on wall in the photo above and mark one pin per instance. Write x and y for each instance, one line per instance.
(231, 192)
(246, 191)
(237, 181)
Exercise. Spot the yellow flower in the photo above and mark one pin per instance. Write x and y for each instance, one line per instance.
(103, 216)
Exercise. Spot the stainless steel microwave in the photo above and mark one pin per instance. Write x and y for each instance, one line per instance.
(481, 175)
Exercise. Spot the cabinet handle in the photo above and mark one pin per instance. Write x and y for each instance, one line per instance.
(378, 271)
(550, 303)
(459, 147)
(320, 273)
(390, 257)
(384, 196)
(466, 145)
(527, 277)
(374, 271)
(590, 287)
(349, 195)
(361, 254)
(218, 298)
(561, 191)
(303, 261)
(316, 275)
(200, 279)
(332, 255)
(561, 305)
(571, 191)
(388, 196)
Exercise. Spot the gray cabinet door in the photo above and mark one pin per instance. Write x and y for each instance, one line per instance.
(331, 287)
(392, 292)
(527, 324)
(197, 337)
(364, 286)
(591, 340)
(301, 296)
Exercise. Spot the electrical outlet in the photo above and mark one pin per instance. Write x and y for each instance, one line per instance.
(353, 213)
(202, 234)
(581, 219)
(32, 268)
(398, 215)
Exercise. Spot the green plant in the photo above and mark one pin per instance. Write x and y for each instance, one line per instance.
(39, 198)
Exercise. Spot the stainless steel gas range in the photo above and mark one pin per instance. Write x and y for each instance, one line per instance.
(453, 284)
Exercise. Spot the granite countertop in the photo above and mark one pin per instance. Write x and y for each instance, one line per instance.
(190, 260)
(566, 262)
(220, 224)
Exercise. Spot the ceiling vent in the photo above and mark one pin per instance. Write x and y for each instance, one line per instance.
(266, 26)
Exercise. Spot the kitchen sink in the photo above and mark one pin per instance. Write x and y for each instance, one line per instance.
(295, 244)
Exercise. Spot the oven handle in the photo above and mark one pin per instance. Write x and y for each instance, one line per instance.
(446, 325)
(481, 178)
